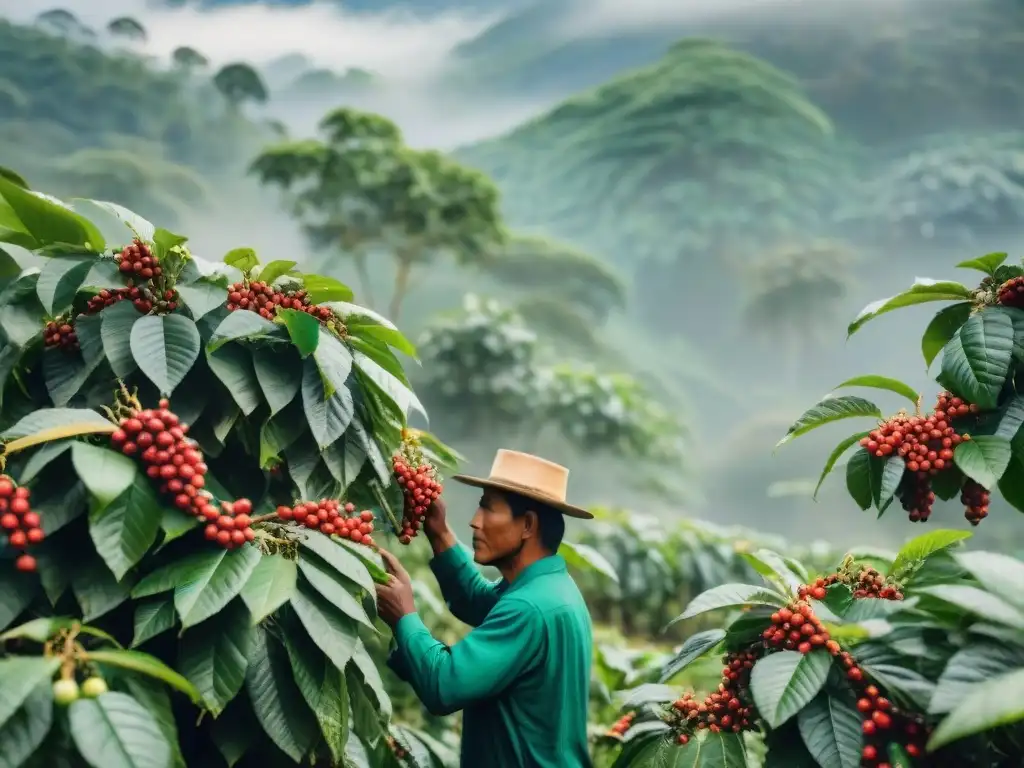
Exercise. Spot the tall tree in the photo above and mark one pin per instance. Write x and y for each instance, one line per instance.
(188, 58)
(127, 28)
(239, 83)
(360, 189)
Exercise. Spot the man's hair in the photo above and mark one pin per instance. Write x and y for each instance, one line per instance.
(550, 520)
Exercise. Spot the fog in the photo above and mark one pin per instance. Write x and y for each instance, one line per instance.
(422, 87)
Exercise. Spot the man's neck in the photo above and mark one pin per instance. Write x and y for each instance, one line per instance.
(516, 564)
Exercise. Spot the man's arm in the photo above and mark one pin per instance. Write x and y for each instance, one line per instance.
(469, 596)
(482, 665)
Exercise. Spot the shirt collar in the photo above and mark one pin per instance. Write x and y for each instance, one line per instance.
(544, 566)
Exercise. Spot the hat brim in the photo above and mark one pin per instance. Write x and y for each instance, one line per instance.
(522, 490)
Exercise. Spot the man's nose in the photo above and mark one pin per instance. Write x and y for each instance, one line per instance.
(475, 522)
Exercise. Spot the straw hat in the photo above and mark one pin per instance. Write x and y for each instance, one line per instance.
(529, 476)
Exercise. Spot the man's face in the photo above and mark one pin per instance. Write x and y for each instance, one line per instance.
(496, 534)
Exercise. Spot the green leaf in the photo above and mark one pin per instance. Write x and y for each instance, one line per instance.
(998, 573)
(969, 666)
(342, 559)
(241, 324)
(977, 359)
(165, 348)
(860, 471)
(977, 602)
(60, 279)
(391, 336)
(942, 328)
(143, 663)
(730, 596)
(987, 264)
(836, 454)
(831, 730)
(996, 702)
(695, 647)
(25, 731)
(115, 731)
(828, 410)
(882, 382)
(116, 324)
(275, 269)
(242, 259)
(106, 473)
(334, 633)
(324, 289)
(19, 677)
(153, 696)
(774, 568)
(270, 586)
(335, 363)
(917, 550)
(320, 579)
(303, 328)
(1012, 418)
(215, 654)
(276, 699)
(97, 590)
(202, 297)
(586, 558)
(391, 385)
(923, 290)
(153, 617)
(279, 376)
(984, 458)
(203, 583)
(232, 364)
(785, 682)
(45, 420)
(328, 415)
(49, 222)
(888, 481)
(40, 630)
(371, 678)
(124, 529)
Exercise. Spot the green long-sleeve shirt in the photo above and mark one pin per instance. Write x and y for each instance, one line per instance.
(521, 676)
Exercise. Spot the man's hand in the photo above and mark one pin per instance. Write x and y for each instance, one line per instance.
(435, 525)
(394, 599)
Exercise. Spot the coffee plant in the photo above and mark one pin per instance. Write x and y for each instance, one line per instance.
(964, 443)
(916, 661)
(196, 460)
(913, 661)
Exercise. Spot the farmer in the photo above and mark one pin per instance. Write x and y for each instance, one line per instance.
(522, 674)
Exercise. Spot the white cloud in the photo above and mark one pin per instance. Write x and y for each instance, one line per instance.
(399, 45)
(600, 17)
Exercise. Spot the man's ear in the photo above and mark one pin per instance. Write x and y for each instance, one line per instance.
(531, 524)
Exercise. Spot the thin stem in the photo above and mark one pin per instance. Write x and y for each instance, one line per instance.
(263, 518)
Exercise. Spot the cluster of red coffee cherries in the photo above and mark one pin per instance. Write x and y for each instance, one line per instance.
(332, 519)
(884, 723)
(175, 463)
(137, 263)
(420, 486)
(730, 708)
(19, 521)
(863, 582)
(796, 628)
(620, 726)
(975, 499)
(927, 444)
(1011, 293)
(257, 296)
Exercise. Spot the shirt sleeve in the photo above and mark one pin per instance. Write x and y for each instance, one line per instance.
(469, 596)
(396, 662)
(480, 666)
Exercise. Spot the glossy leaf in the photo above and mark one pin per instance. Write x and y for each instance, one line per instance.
(153, 617)
(976, 361)
(325, 289)
(695, 647)
(785, 682)
(834, 457)
(586, 558)
(970, 666)
(143, 663)
(984, 458)
(276, 700)
(59, 281)
(165, 348)
(48, 222)
(882, 382)
(730, 596)
(275, 269)
(942, 328)
(19, 677)
(987, 264)
(831, 731)
(333, 632)
(26, 730)
(115, 731)
(215, 655)
(830, 409)
(920, 548)
(270, 586)
(924, 290)
(996, 702)
(303, 328)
